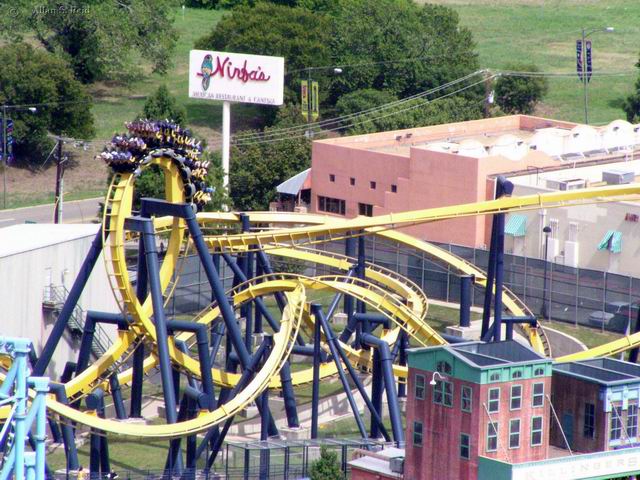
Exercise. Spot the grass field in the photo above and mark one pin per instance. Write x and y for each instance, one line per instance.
(544, 32)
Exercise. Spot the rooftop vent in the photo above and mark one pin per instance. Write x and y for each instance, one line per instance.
(564, 185)
(618, 177)
(396, 464)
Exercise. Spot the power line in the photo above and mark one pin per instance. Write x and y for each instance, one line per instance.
(322, 123)
(369, 120)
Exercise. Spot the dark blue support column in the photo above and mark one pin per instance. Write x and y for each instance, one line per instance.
(404, 345)
(192, 441)
(497, 307)
(99, 452)
(67, 430)
(377, 387)
(203, 354)
(266, 267)
(350, 251)
(146, 229)
(389, 382)
(217, 333)
(116, 395)
(257, 319)
(233, 330)
(316, 311)
(137, 365)
(70, 303)
(466, 284)
(315, 392)
(289, 396)
(361, 325)
(491, 271)
(91, 319)
(247, 270)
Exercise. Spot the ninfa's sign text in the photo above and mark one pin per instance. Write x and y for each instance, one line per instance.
(236, 77)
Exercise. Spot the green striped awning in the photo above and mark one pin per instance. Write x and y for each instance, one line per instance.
(516, 226)
(611, 241)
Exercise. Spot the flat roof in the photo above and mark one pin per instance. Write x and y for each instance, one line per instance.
(379, 465)
(17, 239)
(603, 371)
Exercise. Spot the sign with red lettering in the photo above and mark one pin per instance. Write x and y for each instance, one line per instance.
(632, 217)
(236, 77)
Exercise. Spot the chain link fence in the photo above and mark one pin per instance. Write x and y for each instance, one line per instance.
(574, 295)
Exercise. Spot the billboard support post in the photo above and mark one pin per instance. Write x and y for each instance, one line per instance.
(226, 142)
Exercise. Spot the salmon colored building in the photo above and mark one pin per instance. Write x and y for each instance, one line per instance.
(436, 166)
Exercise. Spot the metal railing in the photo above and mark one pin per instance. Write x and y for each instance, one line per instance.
(56, 295)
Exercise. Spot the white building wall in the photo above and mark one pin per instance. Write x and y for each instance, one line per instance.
(23, 278)
(580, 240)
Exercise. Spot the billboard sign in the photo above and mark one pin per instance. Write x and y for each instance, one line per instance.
(236, 77)
(579, 66)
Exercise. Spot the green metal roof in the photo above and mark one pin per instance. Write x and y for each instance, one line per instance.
(611, 241)
(516, 225)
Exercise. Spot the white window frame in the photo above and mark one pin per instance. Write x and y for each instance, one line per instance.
(512, 432)
(496, 400)
(512, 397)
(539, 395)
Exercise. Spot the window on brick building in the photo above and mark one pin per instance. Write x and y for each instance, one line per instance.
(443, 393)
(419, 389)
(537, 399)
(331, 205)
(538, 372)
(492, 436)
(494, 377)
(465, 398)
(632, 421)
(465, 446)
(516, 397)
(332, 177)
(494, 400)
(394, 189)
(516, 374)
(372, 184)
(417, 434)
(615, 430)
(352, 181)
(514, 433)
(589, 429)
(365, 209)
(444, 367)
(536, 431)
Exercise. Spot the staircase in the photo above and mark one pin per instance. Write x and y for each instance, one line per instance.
(54, 299)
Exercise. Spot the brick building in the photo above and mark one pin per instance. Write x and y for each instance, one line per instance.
(597, 404)
(474, 399)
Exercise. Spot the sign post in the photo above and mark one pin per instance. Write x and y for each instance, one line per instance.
(235, 77)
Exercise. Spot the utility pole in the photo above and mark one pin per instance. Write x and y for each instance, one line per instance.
(4, 156)
(57, 216)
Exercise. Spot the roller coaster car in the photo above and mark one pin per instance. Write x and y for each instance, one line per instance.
(616, 316)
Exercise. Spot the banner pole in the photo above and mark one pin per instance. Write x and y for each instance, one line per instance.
(226, 142)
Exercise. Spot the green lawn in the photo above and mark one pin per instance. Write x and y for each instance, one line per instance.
(591, 337)
(545, 32)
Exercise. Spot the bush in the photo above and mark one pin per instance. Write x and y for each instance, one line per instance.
(516, 94)
(326, 467)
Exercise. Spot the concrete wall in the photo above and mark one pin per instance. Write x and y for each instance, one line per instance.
(23, 279)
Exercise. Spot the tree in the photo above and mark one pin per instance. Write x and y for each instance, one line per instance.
(520, 94)
(326, 467)
(102, 39)
(30, 76)
(631, 104)
(417, 113)
(258, 166)
(387, 35)
(299, 35)
(164, 105)
(361, 100)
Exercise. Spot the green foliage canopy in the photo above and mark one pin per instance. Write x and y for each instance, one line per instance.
(631, 104)
(519, 94)
(162, 105)
(101, 39)
(31, 76)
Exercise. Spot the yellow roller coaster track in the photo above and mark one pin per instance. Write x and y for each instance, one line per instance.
(387, 292)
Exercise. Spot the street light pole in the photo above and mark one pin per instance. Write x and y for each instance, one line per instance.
(585, 34)
(544, 310)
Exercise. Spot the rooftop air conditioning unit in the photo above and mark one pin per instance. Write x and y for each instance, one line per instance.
(618, 177)
(396, 464)
(564, 185)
